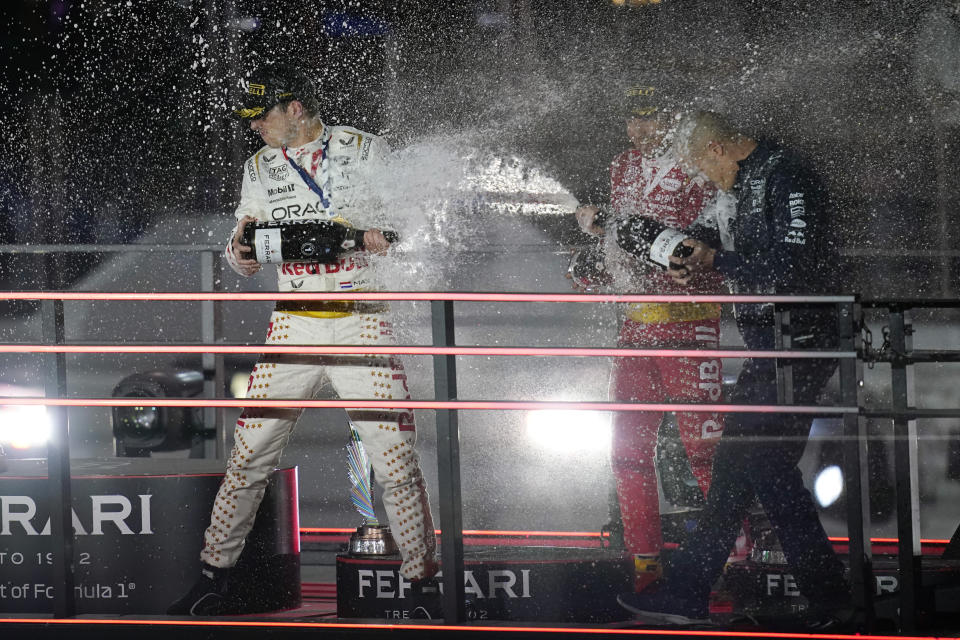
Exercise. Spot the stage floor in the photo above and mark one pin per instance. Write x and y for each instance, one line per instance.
(318, 614)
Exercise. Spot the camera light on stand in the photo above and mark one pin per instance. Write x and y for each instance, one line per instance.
(566, 431)
(141, 429)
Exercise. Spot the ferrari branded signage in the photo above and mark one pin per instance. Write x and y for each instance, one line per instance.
(137, 534)
(771, 591)
(531, 584)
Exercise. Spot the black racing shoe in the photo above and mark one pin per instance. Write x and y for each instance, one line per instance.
(207, 597)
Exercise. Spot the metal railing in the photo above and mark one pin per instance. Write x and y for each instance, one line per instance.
(447, 404)
(901, 356)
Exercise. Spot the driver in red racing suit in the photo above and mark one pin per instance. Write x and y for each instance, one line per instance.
(648, 180)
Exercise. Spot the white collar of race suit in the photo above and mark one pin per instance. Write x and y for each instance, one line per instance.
(664, 164)
(665, 161)
(311, 146)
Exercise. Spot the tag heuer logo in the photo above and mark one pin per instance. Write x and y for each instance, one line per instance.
(256, 89)
(278, 173)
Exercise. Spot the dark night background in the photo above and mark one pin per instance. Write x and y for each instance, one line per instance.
(113, 124)
(113, 109)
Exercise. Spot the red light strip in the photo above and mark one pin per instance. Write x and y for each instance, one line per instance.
(542, 534)
(583, 534)
(412, 295)
(930, 541)
(580, 631)
(419, 350)
(489, 405)
(478, 532)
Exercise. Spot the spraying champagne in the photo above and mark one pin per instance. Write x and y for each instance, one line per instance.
(308, 241)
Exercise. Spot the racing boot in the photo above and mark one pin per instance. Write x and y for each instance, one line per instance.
(209, 595)
(646, 570)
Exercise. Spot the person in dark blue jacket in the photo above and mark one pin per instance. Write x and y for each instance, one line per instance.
(776, 242)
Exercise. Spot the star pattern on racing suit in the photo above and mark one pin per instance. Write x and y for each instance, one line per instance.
(345, 163)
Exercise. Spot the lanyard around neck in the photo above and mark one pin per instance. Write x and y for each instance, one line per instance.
(310, 182)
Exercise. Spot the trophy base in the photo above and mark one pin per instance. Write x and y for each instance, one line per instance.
(372, 540)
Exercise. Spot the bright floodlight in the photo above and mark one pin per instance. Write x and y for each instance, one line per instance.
(565, 431)
(828, 486)
(24, 426)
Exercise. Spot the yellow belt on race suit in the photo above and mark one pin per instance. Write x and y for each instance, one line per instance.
(330, 308)
(653, 312)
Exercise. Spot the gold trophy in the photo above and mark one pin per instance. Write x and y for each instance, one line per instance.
(371, 538)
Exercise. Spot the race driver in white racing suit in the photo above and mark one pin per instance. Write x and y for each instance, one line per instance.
(309, 171)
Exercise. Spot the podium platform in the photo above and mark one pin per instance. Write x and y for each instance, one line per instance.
(549, 584)
(769, 591)
(138, 529)
(523, 584)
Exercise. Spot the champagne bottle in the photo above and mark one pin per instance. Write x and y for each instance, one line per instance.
(307, 241)
(652, 241)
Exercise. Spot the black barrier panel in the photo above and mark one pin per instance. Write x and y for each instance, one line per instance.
(138, 529)
(770, 592)
(539, 584)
